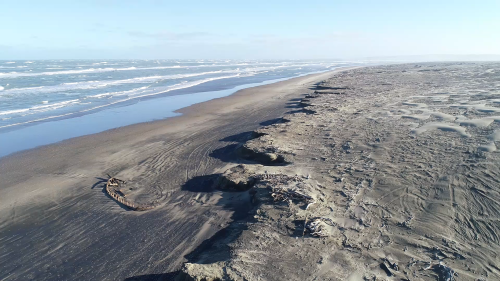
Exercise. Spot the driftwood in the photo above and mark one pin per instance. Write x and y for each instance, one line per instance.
(444, 272)
(304, 230)
(277, 183)
(317, 226)
(112, 189)
(284, 194)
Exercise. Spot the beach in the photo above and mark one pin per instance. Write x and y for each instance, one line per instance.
(366, 173)
(382, 173)
(41, 101)
(57, 223)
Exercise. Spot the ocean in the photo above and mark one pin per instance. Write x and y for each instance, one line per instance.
(99, 95)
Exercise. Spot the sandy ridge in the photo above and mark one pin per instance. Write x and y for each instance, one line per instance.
(408, 198)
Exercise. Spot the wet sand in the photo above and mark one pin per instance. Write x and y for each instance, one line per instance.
(57, 223)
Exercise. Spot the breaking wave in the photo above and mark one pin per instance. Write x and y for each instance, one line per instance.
(129, 95)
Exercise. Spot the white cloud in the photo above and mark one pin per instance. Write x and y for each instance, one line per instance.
(166, 35)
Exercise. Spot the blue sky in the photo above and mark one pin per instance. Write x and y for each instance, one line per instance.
(254, 29)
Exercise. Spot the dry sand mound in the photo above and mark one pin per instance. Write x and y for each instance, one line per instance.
(401, 169)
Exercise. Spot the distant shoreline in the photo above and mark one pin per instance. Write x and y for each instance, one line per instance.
(38, 133)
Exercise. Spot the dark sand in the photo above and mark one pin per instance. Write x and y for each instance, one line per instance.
(58, 224)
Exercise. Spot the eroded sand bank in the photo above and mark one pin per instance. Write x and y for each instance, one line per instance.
(57, 223)
(387, 173)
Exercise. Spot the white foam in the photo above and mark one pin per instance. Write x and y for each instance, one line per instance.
(150, 91)
(120, 93)
(109, 69)
(120, 96)
(40, 108)
(190, 84)
(1, 88)
(148, 79)
(14, 111)
(139, 94)
(105, 83)
(63, 72)
(82, 71)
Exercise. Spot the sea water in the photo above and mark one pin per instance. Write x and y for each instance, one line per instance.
(42, 102)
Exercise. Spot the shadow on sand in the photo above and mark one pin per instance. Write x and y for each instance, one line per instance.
(155, 277)
(216, 248)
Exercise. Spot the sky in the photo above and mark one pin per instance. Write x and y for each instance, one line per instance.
(308, 29)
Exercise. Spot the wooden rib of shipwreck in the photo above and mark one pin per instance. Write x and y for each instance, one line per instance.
(114, 183)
